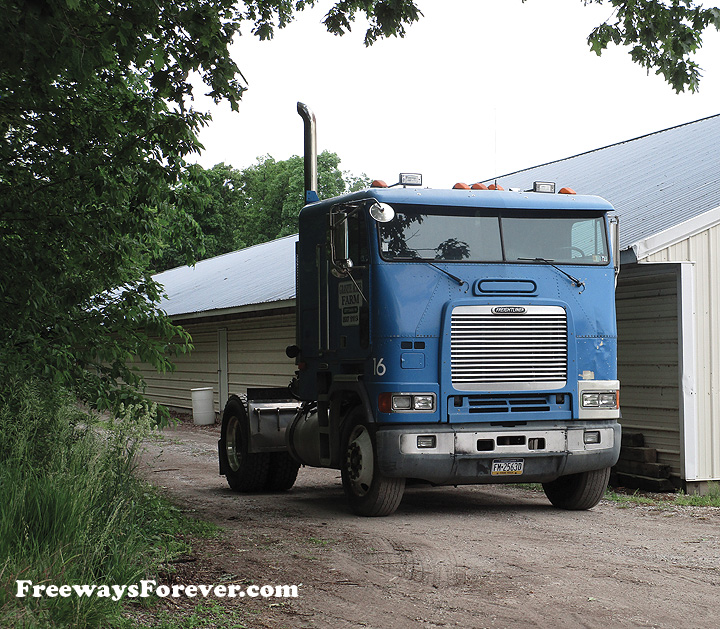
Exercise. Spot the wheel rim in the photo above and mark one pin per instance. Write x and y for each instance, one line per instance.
(360, 461)
(231, 435)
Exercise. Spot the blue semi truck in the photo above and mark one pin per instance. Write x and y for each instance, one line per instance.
(451, 337)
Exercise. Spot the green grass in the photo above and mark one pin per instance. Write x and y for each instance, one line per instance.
(638, 497)
(73, 512)
(710, 499)
(206, 614)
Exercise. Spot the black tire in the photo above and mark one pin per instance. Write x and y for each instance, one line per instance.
(245, 472)
(282, 473)
(368, 492)
(577, 492)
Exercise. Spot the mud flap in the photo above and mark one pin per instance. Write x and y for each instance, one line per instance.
(221, 471)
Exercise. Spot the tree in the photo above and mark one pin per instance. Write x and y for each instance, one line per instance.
(96, 117)
(273, 194)
(217, 204)
(663, 35)
(94, 123)
(239, 208)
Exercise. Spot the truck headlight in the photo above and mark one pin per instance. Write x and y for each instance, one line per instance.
(424, 402)
(402, 402)
(600, 399)
(406, 402)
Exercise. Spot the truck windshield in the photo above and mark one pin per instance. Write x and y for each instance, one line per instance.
(461, 235)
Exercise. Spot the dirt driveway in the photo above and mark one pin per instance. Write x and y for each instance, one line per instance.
(450, 557)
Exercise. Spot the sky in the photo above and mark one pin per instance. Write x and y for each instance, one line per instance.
(476, 89)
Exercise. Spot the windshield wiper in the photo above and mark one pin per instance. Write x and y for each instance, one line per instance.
(574, 280)
(450, 275)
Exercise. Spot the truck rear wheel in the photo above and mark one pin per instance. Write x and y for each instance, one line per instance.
(243, 470)
(578, 492)
(368, 491)
(282, 473)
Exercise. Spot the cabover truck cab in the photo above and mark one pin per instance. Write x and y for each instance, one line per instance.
(452, 337)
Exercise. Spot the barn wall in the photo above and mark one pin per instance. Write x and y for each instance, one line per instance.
(255, 357)
(194, 370)
(648, 358)
(703, 249)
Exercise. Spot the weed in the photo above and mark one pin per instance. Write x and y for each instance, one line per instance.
(205, 614)
(72, 510)
(320, 542)
(710, 499)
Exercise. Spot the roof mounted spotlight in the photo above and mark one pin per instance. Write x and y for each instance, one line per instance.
(544, 186)
(408, 179)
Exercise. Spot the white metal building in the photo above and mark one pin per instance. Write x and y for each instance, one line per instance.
(665, 186)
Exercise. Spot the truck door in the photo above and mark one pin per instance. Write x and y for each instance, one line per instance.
(348, 284)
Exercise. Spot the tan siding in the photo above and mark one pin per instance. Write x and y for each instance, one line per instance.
(198, 369)
(648, 360)
(256, 353)
(704, 250)
(256, 357)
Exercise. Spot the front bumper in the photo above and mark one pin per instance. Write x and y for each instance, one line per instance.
(464, 454)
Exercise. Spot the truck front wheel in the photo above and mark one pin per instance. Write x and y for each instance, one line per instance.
(578, 492)
(368, 491)
(243, 470)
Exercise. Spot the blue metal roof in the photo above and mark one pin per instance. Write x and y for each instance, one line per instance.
(655, 181)
(257, 275)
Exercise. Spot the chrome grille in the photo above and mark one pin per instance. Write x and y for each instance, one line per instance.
(508, 351)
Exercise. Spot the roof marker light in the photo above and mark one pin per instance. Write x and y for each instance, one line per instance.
(567, 191)
(479, 186)
(378, 183)
(461, 186)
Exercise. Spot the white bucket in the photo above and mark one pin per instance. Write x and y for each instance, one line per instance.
(202, 405)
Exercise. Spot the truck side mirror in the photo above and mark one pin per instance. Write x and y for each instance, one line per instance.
(382, 212)
(615, 242)
(340, 242)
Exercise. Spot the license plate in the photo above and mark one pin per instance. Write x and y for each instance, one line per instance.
(507, 467)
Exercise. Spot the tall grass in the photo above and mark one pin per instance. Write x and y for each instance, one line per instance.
(71, 510)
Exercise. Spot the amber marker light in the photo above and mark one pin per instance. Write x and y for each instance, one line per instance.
(385, 402)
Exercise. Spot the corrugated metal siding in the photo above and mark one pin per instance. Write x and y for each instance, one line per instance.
(704, 250)
(195, 370)
(256, 352)
(256, 358)
(647, 319)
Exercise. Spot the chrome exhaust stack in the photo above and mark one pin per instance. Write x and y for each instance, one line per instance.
(310, 154)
